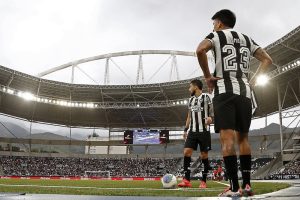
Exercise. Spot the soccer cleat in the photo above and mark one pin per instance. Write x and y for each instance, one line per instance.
(247, 191)
(185, 183)
(202, 185)
(228, 193)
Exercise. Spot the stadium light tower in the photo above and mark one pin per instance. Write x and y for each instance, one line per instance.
(262, 80)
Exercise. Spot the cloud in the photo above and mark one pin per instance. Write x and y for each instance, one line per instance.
(40, 34)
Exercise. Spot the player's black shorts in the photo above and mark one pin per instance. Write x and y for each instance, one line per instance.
(202, 139)
(232, 111)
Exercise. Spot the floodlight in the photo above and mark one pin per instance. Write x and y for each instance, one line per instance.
(27, 96)
(262, 80)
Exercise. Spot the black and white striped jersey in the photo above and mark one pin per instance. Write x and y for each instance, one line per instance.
(199, 108)
(232, 51)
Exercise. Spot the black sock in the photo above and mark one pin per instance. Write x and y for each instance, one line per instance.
(205, 171)
(245, 162)
(186, 167)
(232, 170)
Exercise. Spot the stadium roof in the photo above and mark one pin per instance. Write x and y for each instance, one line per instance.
(284, 75)
(146, 105)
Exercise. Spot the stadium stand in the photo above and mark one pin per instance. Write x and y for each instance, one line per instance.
(259, 162)
(54, 166)
(290, 170)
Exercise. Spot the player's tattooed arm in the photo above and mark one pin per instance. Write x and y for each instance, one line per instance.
(187, 123)
(265, 61)
(202, 48)
(211, 112)
(188, 120)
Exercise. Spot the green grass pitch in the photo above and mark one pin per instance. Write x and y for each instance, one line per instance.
(121, 188)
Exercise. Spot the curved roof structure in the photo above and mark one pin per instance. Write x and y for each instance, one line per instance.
(112, 55)
(284, 75)
(151, 105)
(145, 105)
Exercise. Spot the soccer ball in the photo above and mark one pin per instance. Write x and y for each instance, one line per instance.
(169, 181)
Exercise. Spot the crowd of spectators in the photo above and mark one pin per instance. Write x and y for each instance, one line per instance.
(290, 170)
(117, 167)
(56, 166)
(259, 163)
(217, 166)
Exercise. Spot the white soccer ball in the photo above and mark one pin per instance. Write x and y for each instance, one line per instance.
(169, 181)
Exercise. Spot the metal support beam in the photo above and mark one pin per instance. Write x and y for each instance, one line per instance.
(174, 69)
(10, 79)
(285, 68)
(30, 130)
(280, 118)
(111, 55)
(289, 47)
(70, 122)
(295, 95)
(292, 113)
(140, 71)
(109, 139)
(106, 74)
(105, 110)
(32, 114)
(87, 75)
(176, 66)
(73, 73)
(121, 70)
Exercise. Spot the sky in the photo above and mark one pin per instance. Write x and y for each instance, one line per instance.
(40, 34)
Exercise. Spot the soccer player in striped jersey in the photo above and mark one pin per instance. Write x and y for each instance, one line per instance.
(232, 51)
(198, 120)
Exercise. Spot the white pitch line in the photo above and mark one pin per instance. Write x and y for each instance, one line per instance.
(98, 188)
(204, 189)
(221, 183)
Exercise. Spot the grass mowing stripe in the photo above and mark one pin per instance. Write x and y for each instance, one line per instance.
(222, 183)
(97, 188)
(121, 188)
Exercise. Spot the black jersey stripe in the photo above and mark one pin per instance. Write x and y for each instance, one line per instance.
(248, 45)
(203, 116)
(226, 74)
(191, 115)
(237, 47)
(216, 89)
(196, 115)
(239, 73)
(210, 36)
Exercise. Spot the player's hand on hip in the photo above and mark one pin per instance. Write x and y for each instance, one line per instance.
(211, 81)
(208, 120)
(252, 83)
(184, 135)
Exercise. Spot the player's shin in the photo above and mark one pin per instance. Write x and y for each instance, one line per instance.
(245, 162)
(206, 168)
(186, 167)
(232, 170)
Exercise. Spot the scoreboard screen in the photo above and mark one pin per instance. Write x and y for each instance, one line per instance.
(146, 136)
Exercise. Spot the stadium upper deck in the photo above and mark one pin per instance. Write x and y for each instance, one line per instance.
(145, 105)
